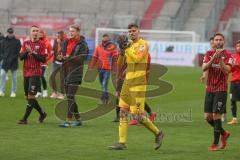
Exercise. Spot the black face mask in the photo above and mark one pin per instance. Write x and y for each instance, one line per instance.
(41, 38)
(105, 42)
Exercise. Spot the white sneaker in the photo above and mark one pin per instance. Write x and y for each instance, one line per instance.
(54, 95)
(60, 96)
(45, 94)
(13, 95)
(1, 94)
(39, 94)
(224, 117)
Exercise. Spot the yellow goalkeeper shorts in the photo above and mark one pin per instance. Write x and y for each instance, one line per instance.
(132, 97)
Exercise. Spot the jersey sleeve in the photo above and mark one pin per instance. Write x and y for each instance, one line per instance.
(206, 57)
(94, 58)
(229, 60)
(141, 53)
(23, 54)
(23, 49)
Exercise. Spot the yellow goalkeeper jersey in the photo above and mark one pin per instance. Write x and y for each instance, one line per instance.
(137, 59)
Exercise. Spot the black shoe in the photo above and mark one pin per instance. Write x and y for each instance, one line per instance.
(116, 119)
(118, 146)
(105, 101)
(42, 117)
(158, 140)
(22, 121)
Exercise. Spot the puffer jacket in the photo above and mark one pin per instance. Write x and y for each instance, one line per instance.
(73, 66)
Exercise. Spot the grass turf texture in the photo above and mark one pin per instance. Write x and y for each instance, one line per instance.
(183, 140)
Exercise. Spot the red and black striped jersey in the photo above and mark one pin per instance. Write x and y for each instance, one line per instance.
(32, 66)
(217, 80)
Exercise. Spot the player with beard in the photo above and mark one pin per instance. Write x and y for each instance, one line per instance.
(218, 63)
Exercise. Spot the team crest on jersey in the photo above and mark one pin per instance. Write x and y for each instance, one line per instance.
(142, 48)
(230, 61)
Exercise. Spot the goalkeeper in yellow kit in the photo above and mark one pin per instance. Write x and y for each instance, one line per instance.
(132, 96)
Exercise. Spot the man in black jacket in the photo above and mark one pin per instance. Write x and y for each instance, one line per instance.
(10, 52)
(1, 40)
(74, 52)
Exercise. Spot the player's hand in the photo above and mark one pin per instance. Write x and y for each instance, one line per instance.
(202, 79)
(219, 53)
(123, 43)
(29, 49)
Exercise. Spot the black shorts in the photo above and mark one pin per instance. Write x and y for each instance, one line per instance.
(215, 102)
(235, 91)
(30, 85)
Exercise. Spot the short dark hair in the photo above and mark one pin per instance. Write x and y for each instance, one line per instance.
(60, 32)
(218, 34)
(34, 26)
(211, 38)
(131, 25)
(10, 30)
(238, 42)
(105, 35)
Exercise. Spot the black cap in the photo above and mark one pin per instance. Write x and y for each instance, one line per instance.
(10, 30)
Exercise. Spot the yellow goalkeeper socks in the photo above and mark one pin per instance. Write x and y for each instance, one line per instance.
(123, 127)
(150, 126)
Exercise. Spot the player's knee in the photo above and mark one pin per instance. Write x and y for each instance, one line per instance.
(123, 113)
(216, 116)
(208, 116)
(31, 97)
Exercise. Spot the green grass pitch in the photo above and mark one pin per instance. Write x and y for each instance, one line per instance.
(187, 136)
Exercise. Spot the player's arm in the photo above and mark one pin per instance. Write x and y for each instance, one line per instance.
(94, 58)
(120, 62)
(207, 65)
(141, 53)
(204, 77)
(225, 67)
(24, 53)
(207, 62)
(114, 55)
(41, 56)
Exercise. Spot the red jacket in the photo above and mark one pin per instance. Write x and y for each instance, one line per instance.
(106, 58)
(48, 50)
(236, 67)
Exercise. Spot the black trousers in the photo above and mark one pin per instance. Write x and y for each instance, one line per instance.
(71, 90)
